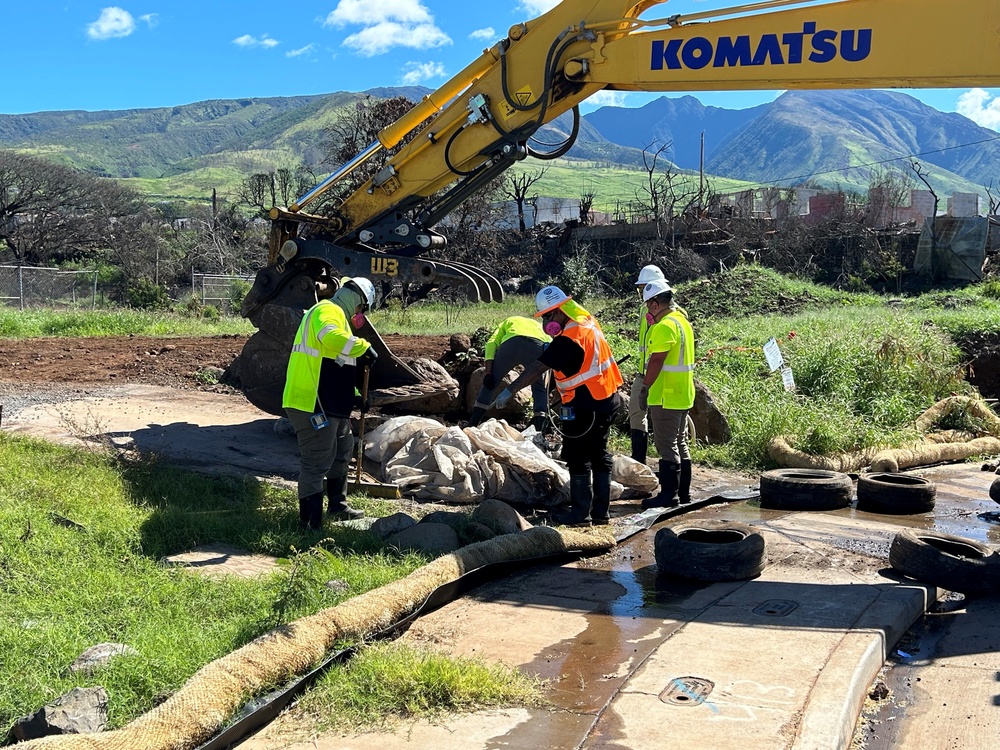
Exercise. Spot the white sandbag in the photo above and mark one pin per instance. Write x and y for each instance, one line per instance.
(383, 442)
(634, 475)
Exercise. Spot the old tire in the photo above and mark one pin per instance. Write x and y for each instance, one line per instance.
(805, 489)
(901, 494)
(947, 561)
(995, 490)
(710, 551)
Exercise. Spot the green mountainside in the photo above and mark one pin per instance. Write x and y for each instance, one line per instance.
(823, 137)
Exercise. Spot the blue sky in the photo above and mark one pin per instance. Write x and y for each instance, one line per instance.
(77, 54)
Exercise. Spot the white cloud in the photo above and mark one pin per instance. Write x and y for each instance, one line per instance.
(300, 51)
(386, 24)
(980, 107)
(607, 98)
(487, 34)
(417, 72)
(537, 7)
(384, 36)
(251, 41)
(114, 22)
(368, 13)
(150, 19)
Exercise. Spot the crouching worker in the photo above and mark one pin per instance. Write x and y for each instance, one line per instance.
(319, 396)
(588, 379)
(516, 341)
(670, 383)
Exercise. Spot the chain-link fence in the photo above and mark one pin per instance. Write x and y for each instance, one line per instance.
(29, 286)
(223, 291)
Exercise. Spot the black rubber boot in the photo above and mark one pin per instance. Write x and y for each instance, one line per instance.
(640, 443)
(668, 487)
(599, 513)
(337, 507)
(478, 413)
(540, 421)
(581, 496)
(684, 487)
(311, 511)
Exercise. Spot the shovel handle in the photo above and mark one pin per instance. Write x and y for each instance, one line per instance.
(361, 426)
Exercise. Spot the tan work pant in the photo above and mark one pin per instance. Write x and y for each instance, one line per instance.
(670, 433)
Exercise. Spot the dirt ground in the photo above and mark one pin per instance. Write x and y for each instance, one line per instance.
(172, 362)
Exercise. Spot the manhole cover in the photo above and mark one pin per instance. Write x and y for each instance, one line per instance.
(687, 691)
(776, 607)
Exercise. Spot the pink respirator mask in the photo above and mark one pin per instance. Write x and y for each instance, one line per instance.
(358, 320)
(552, 328)
(650, 319)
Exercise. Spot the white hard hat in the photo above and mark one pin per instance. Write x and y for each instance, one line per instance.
(549, 299)
(649, 273)
(366, 288)
(654, 289)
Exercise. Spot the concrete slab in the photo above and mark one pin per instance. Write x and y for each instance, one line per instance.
(948, 694)
(221, 560)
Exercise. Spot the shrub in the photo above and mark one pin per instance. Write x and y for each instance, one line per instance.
(144, 294)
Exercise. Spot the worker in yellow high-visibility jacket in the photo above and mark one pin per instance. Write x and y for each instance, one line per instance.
(516, 341)
(670, 393)
(320, 393)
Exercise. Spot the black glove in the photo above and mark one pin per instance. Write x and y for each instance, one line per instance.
(369, 358)
(489, 381)
(362, 404)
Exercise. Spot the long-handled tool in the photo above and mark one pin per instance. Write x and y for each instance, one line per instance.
(372, 489)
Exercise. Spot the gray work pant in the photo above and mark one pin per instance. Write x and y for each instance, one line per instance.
(322, 453)
(670, 433)
(517, 350)
(636, 414)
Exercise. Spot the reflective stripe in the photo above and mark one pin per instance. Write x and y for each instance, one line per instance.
(302, 345)
(597, 367)
(305, 349)
(351, 341)
(680, 354)
(345, 360)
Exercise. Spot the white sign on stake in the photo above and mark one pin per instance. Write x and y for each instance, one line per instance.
(773, 354)
(787, 379)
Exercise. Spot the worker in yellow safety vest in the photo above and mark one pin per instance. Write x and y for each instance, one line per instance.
(638, 423)
(669, 392)
(587, 378)
(320, 385)
(516, 341)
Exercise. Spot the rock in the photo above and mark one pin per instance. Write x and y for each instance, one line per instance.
(98, 656)
(514, 411)
(710, 423)
(80, 711)
(457, 521)
(500, 517)
(433, 538)
(477, 532)
(397, 522)
(459, 343)
(337, 586)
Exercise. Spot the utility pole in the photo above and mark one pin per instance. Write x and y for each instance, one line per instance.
(701, 173)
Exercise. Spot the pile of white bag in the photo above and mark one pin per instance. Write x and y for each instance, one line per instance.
(427, 460)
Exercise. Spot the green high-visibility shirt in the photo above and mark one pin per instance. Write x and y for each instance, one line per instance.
(515, 325)
(674, 386)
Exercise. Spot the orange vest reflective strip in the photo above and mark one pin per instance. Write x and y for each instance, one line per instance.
(599, 371)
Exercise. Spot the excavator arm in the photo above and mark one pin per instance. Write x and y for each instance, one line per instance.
(481, 122)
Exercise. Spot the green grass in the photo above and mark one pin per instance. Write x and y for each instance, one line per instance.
(66, 587)
(394, 681)
(121, 322)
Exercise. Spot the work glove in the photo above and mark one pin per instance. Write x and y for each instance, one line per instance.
(503, 398)
(362, 404)
(369, 358)
(489, 381)
(644, 398)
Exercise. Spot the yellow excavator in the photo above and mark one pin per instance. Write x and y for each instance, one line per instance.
(481, 122)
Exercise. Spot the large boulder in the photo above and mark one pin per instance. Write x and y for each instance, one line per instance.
(439, 403)
(710, 423)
